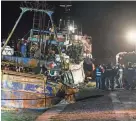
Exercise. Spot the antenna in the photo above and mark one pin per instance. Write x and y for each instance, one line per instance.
(66, 19)
(66, 5)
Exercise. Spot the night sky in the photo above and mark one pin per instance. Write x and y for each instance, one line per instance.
(106, 22)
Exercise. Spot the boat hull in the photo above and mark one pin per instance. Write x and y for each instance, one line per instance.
(20, 90)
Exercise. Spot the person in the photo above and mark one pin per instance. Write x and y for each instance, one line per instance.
(114, 77)
(120, 74)
(109, 77)
(98, 77)
(88, 68)
(103, 76)
(129, 74)
(117, 76)
(23, 49)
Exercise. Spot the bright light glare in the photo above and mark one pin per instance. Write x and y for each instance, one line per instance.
(131, 35)
(71, 28)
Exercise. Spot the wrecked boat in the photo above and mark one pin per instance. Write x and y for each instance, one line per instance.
(44, 69)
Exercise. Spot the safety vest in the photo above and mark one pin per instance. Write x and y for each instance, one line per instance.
(98, 72)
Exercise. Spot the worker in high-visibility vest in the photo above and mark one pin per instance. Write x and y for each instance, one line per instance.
(98, 77)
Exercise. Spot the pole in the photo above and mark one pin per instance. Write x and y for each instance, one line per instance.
(21, 14)
(59, 23)
(48, 24)
(135, 47)
(81, 29)
(73, 27)
(52, 23)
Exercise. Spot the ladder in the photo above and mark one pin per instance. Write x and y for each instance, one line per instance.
(39, 25)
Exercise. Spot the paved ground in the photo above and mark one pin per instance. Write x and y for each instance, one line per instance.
(119, 105)
(24, 115)
(82, 95)
(125, 105)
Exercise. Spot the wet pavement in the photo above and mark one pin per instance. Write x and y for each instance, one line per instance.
(127, 95)
(119, 105)
(127, 105)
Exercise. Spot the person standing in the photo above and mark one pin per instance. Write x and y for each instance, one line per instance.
(108, 77)
(98, 78)
(88, 67)
(113, 77)
(23, 49)
(120, 73)
(129, 73)
(103, 68)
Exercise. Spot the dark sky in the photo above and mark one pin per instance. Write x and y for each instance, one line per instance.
(106, 22)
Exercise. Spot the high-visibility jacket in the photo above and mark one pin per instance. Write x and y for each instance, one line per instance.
(98, 72)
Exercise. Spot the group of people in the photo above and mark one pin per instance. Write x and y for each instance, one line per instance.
(115, 76)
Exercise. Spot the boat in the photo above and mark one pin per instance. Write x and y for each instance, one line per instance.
(21, 90)
(42, 71)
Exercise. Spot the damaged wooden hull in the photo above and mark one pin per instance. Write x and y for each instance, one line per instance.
(20, 90)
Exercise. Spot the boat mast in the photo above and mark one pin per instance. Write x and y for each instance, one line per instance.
(66, 19)
(39, 24)
(12, 31)
(36, 7)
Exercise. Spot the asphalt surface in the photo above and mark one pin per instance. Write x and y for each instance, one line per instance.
(118, 105)
(126, 105)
